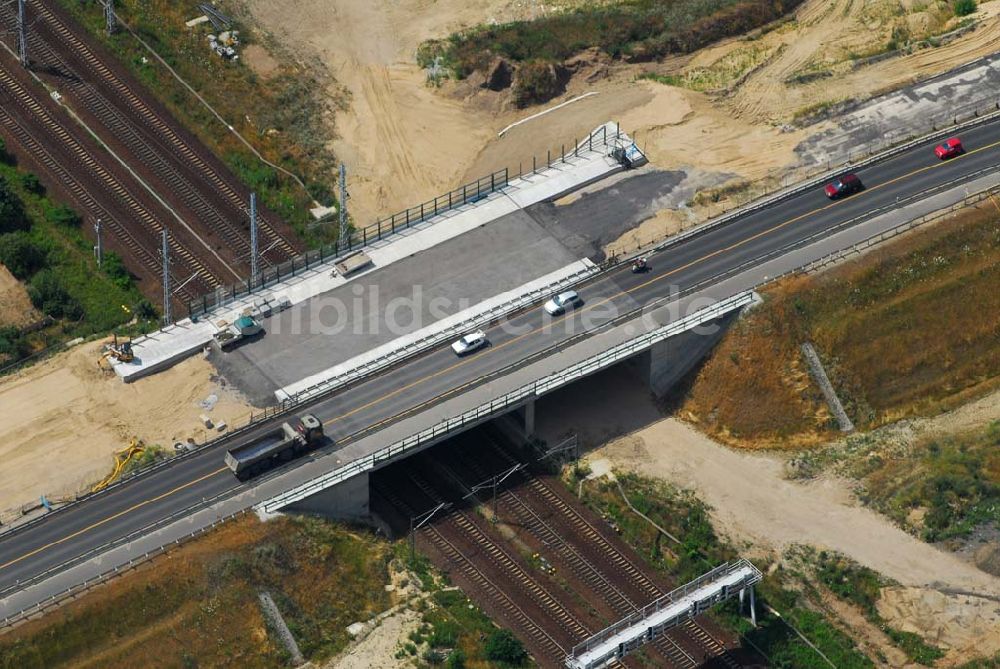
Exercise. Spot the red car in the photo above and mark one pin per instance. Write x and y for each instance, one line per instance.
(845, 185)
(951, 148)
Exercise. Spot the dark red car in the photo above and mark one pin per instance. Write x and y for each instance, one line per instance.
(844, 186)
(951, 148)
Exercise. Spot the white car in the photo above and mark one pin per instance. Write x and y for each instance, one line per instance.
(558, 304)
(470, 342)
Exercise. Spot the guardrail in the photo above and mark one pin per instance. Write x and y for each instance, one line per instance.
(285, 409)
(419, 346)
(836, 256)
(57, 599)
(885, 149)
(751, 576)
(507, 400)
(469, 193)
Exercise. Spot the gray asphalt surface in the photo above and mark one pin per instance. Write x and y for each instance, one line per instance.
(29, 551)
(433, 284)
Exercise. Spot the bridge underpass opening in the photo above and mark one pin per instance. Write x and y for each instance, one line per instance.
(486, 511)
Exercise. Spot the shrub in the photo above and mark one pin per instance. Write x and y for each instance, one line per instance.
(536, 81)
(12, 216)
(456, 660)
(114, 267)
(63, 215)
(48, 294)
(503, 646)
(30, 183)
(21, 255)
(964, 7)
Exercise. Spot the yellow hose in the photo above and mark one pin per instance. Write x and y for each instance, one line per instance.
(121, 459)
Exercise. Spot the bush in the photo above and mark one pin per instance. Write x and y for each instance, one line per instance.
(964, 7)
(63, 215)
(536, 81)
(21, 255)
(48, 294)
(30, 183)
(114, 267)
(503, 646)
(12, 216)
(456, 660)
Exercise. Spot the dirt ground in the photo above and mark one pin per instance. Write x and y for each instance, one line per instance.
(378, 649)
(15, 307)
(66, 411)
(404, 141)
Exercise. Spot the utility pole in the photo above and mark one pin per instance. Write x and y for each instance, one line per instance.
(22, 36)
(99, 247)
(254, 261)
(342, 235)
(166, 280)
(416, 522)
(109, 16)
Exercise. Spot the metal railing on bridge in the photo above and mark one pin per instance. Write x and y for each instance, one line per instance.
(509, 400)
(642, 626)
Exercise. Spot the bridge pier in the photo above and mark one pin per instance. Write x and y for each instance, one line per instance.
(670, 360)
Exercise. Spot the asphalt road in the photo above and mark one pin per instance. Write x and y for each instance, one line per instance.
(27, 552)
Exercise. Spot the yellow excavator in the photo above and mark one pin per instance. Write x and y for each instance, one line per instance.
(120, 352)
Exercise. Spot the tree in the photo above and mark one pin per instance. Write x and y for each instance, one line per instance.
(48, 294)
(12, 216)
(503, 646)
(21, 255)
(114, 267)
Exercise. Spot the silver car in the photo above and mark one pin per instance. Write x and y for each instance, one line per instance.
(470, 342)
(558, 304)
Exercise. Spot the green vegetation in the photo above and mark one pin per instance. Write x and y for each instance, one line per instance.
(964, 7)
(282, 112)
(683, 515)
(201, 602)
(503, 647)
(942, 488)
(41, 243)
(900, 331)
(634, 29)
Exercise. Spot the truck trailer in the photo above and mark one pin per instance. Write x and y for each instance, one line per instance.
(289, 440)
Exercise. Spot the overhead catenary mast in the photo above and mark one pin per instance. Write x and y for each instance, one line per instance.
(22, 36)
(166, 280)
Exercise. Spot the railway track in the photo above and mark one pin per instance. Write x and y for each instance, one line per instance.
(593, 538)
(200, 182)
(95, 188)
(584, 568)
(516, 617)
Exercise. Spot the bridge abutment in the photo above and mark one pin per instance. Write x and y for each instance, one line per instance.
(667, 362)
(349, 500)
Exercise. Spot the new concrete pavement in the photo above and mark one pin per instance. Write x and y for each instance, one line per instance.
(27, 552)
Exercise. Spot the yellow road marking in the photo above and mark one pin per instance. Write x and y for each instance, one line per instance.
(112, 517)
(511, 341)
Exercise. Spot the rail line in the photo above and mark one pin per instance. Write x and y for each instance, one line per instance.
(541, 639)
(580, 565)
(222, 186)
(592, 537)
(28, 120)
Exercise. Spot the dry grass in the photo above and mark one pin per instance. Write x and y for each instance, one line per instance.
(197, 606)
(907, 330)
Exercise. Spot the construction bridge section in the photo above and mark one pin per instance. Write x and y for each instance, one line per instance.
(651, 621)
(341, 492)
